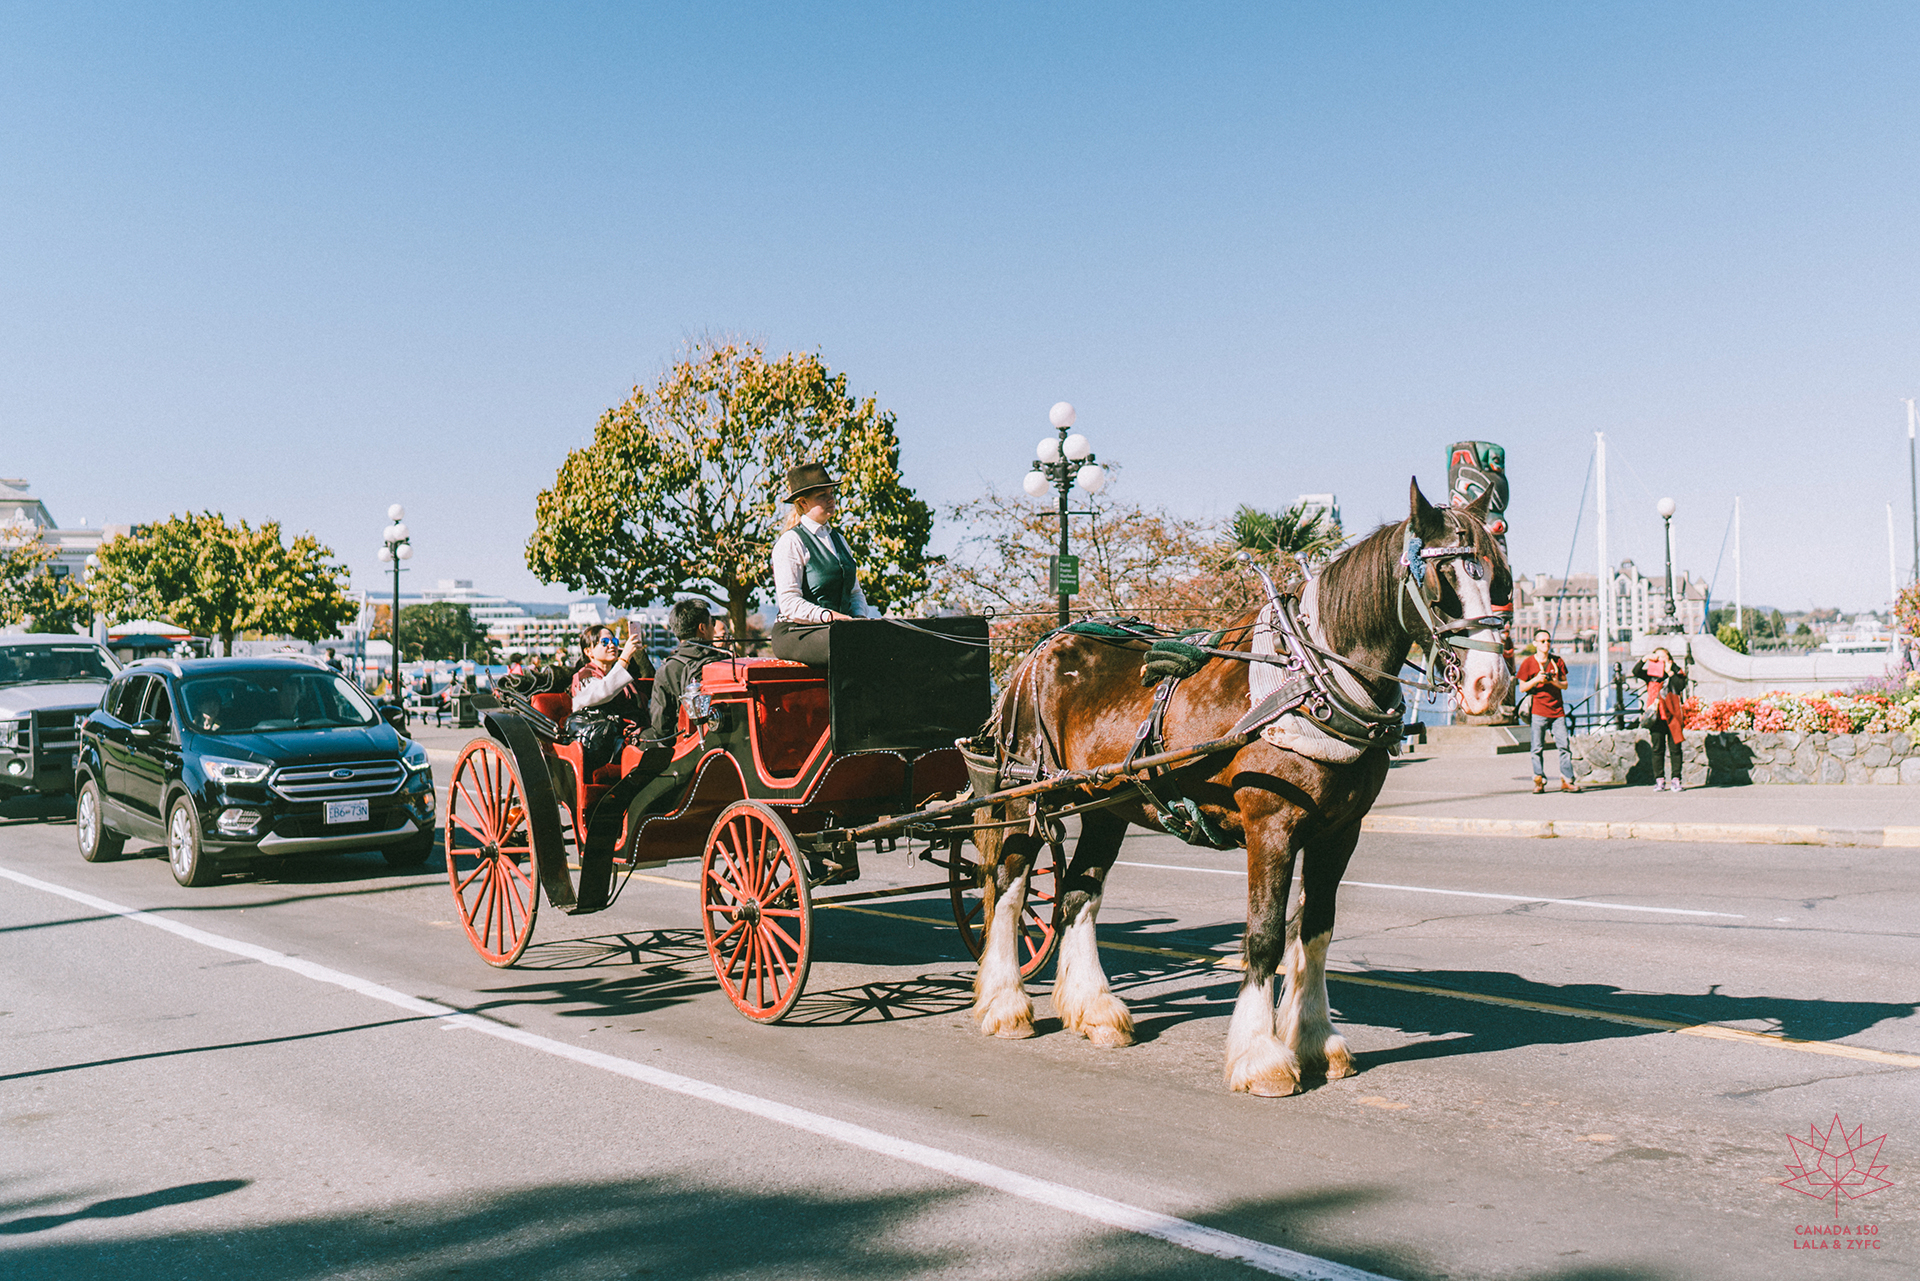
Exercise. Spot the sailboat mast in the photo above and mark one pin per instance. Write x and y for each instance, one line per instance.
(1603, 596)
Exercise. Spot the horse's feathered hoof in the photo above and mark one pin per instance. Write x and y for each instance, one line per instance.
(1265, 1070)
(1105, 1021)
(1339, 1059)
(1008, 1016)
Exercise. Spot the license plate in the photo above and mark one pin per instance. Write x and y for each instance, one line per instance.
(348, 811)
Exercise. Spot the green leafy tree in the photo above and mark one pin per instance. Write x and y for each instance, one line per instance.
(31, 592)
(679, 491)
(218, 579)
(437, 629)
(1732, 637)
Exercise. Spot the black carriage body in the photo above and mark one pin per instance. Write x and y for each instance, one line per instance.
(872, 735)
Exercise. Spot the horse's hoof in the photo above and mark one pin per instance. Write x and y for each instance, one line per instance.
(1339, 1059)
(1265, 1070)
(1009, 1016)
(1109, 1037)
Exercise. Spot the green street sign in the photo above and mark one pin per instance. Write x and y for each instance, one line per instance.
(1063, 575)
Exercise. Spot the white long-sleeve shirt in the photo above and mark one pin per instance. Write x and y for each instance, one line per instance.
(789, 571)
(601, 689)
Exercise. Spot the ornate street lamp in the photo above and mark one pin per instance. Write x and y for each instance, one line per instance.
(395, 547)
(1665, 509)
(1063, 461)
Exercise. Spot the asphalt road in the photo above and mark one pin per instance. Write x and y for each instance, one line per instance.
(268, 1078)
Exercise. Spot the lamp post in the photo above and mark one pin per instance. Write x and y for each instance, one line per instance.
(395, 547)
(1063, 461)
(1665, 509)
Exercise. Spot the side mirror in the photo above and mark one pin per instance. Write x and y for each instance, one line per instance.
(148, 730)
(396, 717)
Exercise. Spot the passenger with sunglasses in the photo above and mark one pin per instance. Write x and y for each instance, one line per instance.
(606, 703)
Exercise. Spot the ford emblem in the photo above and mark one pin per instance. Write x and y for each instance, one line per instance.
(343, 773)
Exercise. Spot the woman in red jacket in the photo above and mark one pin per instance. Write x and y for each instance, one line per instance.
(1666, 717)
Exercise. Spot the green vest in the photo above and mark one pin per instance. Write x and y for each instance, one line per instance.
(828, 579)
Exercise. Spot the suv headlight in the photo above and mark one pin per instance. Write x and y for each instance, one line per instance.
(416, 759)
(222, 770)
(12, 733)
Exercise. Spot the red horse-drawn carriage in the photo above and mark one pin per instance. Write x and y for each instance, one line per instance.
(778, 773)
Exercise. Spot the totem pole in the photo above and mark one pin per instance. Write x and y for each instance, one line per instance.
(1476, 467)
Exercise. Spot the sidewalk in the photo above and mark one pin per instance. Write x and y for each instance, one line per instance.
(1493, 796)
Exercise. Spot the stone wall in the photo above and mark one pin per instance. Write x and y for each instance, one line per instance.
(1736, 757)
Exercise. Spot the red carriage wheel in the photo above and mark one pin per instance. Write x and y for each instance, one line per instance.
(1039, 922)
(756, 911)
(490, 853)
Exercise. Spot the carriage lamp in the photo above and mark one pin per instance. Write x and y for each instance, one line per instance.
(395, 546)
(1064, 459)
(1666, 508)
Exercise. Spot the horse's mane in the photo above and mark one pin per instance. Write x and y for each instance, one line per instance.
(1357, 592)
(1357, 587)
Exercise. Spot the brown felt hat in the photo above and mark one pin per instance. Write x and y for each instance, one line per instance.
(806, 478)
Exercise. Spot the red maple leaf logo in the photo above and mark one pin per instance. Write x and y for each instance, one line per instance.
(1835, 1162)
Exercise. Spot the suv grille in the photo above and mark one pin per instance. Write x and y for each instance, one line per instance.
(317, 782)
(56, 734)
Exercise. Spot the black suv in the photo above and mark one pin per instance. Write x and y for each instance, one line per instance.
(232, 759)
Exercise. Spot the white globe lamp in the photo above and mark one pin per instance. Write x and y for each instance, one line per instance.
(1048, 451)
(1061, 415)
(1077, 447)
(1035, 484)
(1092, 478)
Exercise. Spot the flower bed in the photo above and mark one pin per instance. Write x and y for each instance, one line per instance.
(1890, 706)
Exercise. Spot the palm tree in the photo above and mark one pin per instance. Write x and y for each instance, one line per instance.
(1272, 536)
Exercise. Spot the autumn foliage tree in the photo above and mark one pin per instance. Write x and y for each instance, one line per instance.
(217, 579)
(1135, 561)
(679, 490)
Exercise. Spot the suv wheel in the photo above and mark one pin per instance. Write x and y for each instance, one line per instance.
(410, 853)
(190, 866)
(98, 842)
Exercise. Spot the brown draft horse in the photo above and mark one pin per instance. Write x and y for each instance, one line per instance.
(1075, 702)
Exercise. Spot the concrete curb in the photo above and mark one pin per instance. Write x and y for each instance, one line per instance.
(1724, 833)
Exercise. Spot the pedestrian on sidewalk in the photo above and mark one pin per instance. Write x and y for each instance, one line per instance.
(1543, 676)
(1666, 713)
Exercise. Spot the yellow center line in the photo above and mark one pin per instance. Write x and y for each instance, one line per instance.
(1712, 1031)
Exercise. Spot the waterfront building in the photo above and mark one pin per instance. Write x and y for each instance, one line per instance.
(1569, 608)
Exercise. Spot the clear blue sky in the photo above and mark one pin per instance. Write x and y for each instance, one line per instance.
(302, 261)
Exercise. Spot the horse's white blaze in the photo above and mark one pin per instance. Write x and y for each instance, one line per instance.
(1304, 1022)
(1000, 1000)
(1483, 675)
(1085, 1002)
(1258, 1062)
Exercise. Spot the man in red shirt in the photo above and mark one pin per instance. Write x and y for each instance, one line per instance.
(1543, 678)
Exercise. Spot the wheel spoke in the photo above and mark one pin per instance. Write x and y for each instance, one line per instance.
(461, 885)
(780, 961)
(772, 931)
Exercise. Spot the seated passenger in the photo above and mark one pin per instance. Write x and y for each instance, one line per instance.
(814, 577)
(606, 707)
(692, 626)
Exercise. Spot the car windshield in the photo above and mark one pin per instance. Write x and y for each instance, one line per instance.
(261, 702)
(48, 664)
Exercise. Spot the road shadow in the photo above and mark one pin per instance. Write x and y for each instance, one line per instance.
(1472, 1027)
(890, 1001)
(695, 1228)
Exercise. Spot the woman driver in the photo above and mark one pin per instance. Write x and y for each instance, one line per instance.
(814, 578)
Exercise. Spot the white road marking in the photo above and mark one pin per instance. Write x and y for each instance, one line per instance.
(1427, 889)
(1259, 1255)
